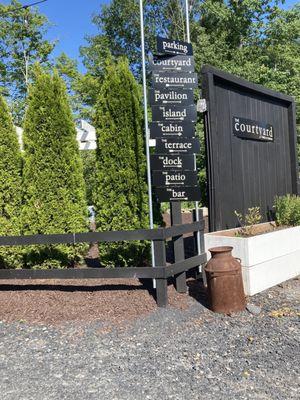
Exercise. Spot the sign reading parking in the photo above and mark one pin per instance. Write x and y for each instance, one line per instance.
(172, 46)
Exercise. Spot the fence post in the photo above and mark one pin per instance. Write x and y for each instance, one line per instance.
(201, 273)
(162, 283)
(178, 246)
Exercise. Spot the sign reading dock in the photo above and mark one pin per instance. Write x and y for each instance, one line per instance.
(174, 115)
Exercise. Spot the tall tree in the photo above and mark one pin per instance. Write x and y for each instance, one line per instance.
(257, 40)
(54, 191)
(10, 187)
(23, 43)
(121, 196)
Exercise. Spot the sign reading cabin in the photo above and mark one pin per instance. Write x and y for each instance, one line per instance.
(249, 129)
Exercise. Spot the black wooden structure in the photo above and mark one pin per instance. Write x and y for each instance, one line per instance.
(160, 272)
(247, 171)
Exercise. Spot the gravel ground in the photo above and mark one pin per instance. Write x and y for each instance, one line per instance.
(170, 353)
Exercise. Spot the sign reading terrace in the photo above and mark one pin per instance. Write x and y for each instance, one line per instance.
(172, 128)
(177, 145)
(181, 80)
(173, 46)
(171, 96)
(174, 113)
(249, 129)
(172, 63)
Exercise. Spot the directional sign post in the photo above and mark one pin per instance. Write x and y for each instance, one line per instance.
(171, 128)
(183, 80)
(177, 145)
(163, 162)
(174, 113)
(175, 193)
(173, 46)
(172, 178)
(171, 96)
(172, 63)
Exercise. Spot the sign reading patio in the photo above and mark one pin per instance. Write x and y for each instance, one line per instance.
(174, 115)
(249, 129)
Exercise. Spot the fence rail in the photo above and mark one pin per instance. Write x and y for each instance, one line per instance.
(161, 271)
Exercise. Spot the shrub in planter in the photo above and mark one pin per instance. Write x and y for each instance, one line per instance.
(10, 187)
(287, 210)
(120, 198)
(54, 191)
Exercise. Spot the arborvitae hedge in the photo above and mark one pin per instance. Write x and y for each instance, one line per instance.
(121, 196)
(10, 187)
(54, 191)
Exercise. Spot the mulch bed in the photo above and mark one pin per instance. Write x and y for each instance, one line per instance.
(111, 301)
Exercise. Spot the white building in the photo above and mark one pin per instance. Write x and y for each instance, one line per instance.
(86, 135)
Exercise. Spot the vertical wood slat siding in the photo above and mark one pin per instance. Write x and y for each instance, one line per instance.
(246, 173)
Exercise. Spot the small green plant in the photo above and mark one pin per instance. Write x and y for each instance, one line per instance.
(287, 210)
(248, 221)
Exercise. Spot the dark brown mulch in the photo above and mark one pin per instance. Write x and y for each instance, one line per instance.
(111, 301)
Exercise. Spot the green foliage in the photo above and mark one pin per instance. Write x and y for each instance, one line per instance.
(54, 192)
(287, 210)
(89, 173)
(83, 89)
(10, 187)
(254, 39)
(23, 43)
(121, 196)
(248, 221)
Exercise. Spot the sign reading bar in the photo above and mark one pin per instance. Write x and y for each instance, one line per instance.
(171, 96)
(174, 113)
(163, 162)
(174, 178)
(171, 46)
(187, 193)
(183, 80)
(177, 145)
(249, 129)
(166, 129)
(172, 63)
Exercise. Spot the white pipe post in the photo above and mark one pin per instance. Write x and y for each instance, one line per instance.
(187, 16)
(146, 129)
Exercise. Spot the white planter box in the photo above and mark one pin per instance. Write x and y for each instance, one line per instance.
(267, 259)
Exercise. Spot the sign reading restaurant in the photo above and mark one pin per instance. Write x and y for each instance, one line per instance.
(249, 129)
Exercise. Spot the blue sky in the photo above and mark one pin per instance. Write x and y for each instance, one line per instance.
(71, 21)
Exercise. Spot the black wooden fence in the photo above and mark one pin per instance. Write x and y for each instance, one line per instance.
(245, 169)
(160, 272)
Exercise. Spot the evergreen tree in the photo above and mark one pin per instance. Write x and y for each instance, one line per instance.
(121, 196)
(10, 187)
(54, 191)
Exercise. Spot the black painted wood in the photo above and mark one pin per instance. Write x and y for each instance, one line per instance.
(178, 245)
(246, 173)
(160, 272)
(162, 283)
